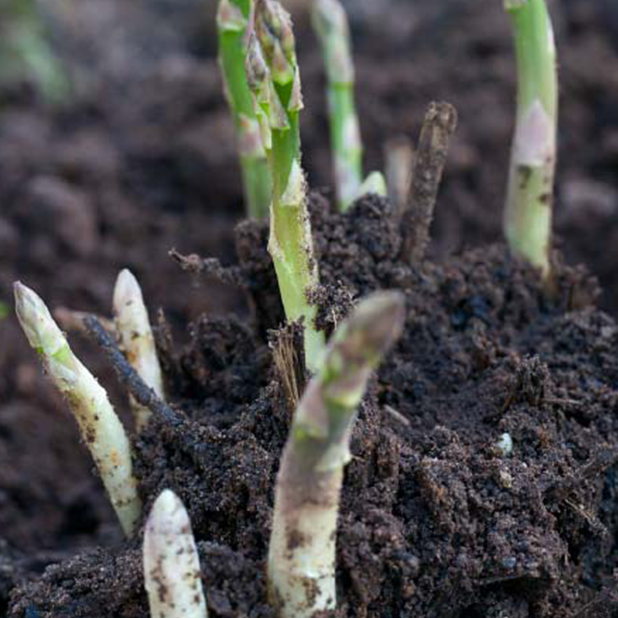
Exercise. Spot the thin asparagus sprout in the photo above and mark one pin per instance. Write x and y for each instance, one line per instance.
(399, 155)
(99, 425)
(171, 564)
(330, 23)
(136, 338)
(528, 212)
(274, 79)
(374, 183)
(232, 20)
(301, 561)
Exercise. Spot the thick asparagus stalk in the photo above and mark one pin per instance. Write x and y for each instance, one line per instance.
(99, 425)
(528, 212)
(330, 23)
(301, 562)
(232, 19)
(274, 79)
(136, 338)
(171, 564)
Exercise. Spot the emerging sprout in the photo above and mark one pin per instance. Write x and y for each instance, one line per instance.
(25, 51)
(301, 561)
(232, 20)
(135, 336)
(274, 80)
(528, 212)
(171, 565)
(331, 25)
(399, 155)
(99, 425)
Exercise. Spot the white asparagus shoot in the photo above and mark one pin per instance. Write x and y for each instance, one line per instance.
(99, 425)
(136, 339)
(171, 563)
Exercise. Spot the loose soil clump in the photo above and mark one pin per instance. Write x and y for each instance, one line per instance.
(438, 517)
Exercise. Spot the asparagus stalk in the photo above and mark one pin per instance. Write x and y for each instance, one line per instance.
(25, 51)
(171, 564)
(274, 80)
(99, 425)
(232, 19)
(136, 338)
(330, 23)
(528, 212)
(301, 561)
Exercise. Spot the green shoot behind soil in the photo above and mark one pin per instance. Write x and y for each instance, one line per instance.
(528, 212)
(232, 20)
(171, 563)
(331, 26)
(4, 310)
(136, 338)
(25, 52)
(274, 79)
(301, 561)
(99, 425)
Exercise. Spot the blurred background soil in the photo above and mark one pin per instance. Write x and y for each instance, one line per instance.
(141, 159)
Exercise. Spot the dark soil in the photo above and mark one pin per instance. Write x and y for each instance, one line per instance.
(144, 161)
(435, 519)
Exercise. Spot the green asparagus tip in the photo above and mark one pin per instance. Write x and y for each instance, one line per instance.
(36, 321)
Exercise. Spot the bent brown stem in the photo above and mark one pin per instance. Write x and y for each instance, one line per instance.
(438, 127)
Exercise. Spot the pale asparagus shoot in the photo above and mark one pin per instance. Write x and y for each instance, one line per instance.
(136, 339)
(99, 425)
(172, 574)
(375, 183)
(274, 80)
(330, 23)
(232, 19)
(528, 211)
(301, 561)
(399, 156)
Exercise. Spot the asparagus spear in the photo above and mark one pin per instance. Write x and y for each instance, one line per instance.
(135, 334)
(171, 564)
(274, 80)
(330, 23)
(232, 19)
(98, 423)
(301, 561)
(25, 51)
(528, 212)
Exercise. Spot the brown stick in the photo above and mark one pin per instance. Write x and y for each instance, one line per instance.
(208, 267)
(439, 124)
(140, 391)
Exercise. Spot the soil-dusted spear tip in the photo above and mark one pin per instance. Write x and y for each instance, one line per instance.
(136, 338)
(232, 21)
(99, 425)
(275, 83)
(331, 26)
(528, 210)
(172, 574)
(301, 561)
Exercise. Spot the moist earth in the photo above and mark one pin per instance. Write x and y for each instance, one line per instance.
(438, 517)
(143, 161)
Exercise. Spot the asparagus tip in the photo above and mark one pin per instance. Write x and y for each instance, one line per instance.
(171, 564)
(126, 289)
(375, 325)
(36, 321)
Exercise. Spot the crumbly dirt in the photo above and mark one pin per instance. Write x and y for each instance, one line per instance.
(143, 161)
(436, 519)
